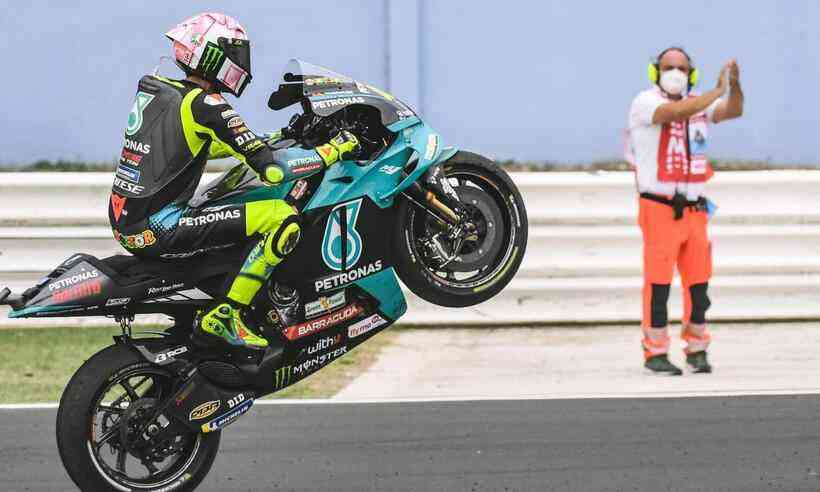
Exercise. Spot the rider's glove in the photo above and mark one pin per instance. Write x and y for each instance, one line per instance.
(272, 175)
(339, 148)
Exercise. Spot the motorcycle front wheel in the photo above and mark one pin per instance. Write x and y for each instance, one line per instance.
(107, 435)
(445, 268)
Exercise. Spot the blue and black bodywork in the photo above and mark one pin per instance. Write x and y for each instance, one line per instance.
(343, 269)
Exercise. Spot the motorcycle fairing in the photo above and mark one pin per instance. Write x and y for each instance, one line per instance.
(124, 284)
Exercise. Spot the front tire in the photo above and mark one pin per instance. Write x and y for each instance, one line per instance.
(79, 416)
(486, 266)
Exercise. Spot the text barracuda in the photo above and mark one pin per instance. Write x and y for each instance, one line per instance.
(324, 322)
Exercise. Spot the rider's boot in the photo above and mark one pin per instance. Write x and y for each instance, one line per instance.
(227, 320)
(225, 323)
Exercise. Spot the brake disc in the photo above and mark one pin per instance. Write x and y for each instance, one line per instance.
(487, 217)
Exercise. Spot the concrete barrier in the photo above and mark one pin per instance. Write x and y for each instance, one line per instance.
(757, 197)
(584, 255)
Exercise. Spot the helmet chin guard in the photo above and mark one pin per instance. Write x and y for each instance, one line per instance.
(215, 47)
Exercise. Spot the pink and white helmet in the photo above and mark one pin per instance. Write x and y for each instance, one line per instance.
(215, 47)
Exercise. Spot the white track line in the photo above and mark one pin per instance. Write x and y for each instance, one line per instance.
(566, 396)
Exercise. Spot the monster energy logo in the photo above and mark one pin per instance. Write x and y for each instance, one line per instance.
(281, 377)
(211, 58)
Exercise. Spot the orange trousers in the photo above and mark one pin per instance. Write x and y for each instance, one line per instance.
(668, 243)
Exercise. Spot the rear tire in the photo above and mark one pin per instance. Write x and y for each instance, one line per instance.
(75, 427)
(502, 201)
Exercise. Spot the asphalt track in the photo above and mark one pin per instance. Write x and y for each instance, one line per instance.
(706, 443)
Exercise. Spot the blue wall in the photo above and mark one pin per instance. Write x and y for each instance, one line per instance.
(547, 80)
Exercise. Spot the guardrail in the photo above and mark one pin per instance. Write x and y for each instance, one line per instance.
(584, 255)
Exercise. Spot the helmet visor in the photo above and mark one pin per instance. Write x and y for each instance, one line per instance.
(238, 51)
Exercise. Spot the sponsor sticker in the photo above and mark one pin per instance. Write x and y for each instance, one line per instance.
(324, 343)
(188, 254)
(214, 100)
(324, 304)
(208, 218)
(135, 241)
(318, 361)
(235, 122)
(85, 289)
(228, 418)
(205, 410)
(120, 301)
(244, 138)
(281, 377)
(128, 173)
(117, 205)
(74, 279)
(253, 145)
(298, 189)
(332, 242)
(167, 288)
(341, 101)
(341, 279)
(127, 186)
(365, 325)
(432, 146)
(164, 356)
(130, 158)
(307, 328)
(324, 81)
(386, 169)
(133, 145)
(306, 168)
(228, 113)
(135, 117)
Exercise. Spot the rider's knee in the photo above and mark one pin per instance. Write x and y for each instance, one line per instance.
(283, 241)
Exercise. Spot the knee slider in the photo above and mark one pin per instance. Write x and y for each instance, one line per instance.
(282, 242)
(658, 309)
(700, 302)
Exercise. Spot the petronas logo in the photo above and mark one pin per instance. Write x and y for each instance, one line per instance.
(135, 118)
(281, 377)
(211, 58)
(333, 239)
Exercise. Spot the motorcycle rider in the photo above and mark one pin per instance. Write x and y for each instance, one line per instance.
(174, 127)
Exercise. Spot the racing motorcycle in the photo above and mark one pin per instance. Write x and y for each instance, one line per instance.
(146, 413)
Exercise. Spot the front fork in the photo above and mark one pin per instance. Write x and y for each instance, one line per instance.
(438, 198)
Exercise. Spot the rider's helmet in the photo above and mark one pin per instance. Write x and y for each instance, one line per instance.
(215, 47)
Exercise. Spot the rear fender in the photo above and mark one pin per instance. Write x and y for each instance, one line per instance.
(74, 286)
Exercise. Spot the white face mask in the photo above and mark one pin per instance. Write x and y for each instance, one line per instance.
(673, 81)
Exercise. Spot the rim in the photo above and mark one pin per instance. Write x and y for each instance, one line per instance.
(129, 446)
(477, 262)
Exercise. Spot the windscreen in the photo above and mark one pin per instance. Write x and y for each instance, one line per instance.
(329, 91)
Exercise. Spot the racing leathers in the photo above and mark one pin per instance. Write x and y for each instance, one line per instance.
(173, 129)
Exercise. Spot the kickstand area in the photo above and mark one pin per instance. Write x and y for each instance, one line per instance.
(125, 325)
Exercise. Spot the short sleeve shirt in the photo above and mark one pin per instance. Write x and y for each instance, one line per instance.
(645, 141)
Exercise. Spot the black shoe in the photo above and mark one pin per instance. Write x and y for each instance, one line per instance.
(660, 364)
(698, 363)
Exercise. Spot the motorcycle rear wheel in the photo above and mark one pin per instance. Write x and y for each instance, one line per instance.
(109, 387)
(483, 267)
